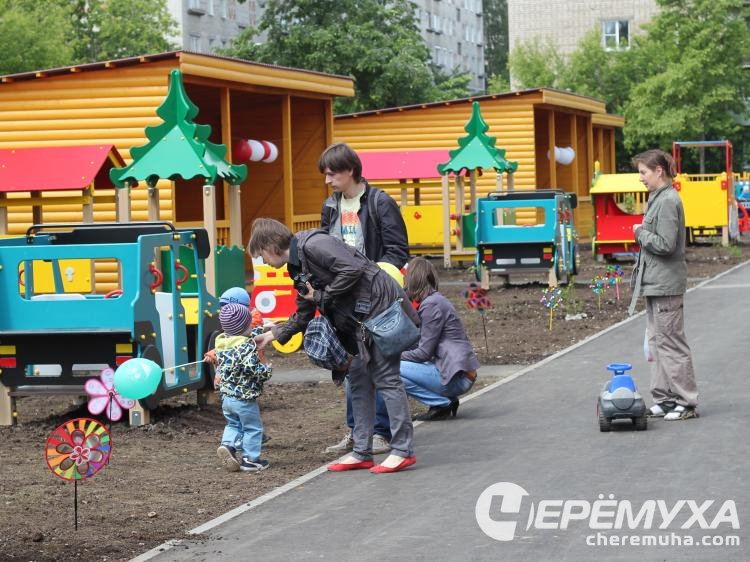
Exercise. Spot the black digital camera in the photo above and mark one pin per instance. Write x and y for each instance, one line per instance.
(300, 282)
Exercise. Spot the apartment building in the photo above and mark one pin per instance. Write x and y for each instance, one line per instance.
(207, 25)
(452, 29)
(565, 22)
(454, 32)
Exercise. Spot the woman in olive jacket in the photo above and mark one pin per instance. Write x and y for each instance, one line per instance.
(343, 285)
(661, 277)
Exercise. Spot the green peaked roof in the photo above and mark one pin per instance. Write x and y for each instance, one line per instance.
(477, 149)
(178, 147)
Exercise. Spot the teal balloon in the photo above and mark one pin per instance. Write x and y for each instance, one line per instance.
(137, 378)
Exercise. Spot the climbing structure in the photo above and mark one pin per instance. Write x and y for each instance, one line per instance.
(476, 152)
(179, 148)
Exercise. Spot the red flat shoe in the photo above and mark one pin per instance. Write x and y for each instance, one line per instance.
(405, 463)
(341, 467)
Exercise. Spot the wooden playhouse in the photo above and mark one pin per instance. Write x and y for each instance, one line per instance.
(112, 102)
(531, 125)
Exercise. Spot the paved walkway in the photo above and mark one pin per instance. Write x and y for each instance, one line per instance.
(526, 459)
(281, 376)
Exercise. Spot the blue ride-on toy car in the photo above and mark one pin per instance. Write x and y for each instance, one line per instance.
(621, 400)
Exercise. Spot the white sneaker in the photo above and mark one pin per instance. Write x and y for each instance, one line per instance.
(656, 411)
(380, 445)
(227, 458)
(681, 413)
(343, 446)
(661, 409)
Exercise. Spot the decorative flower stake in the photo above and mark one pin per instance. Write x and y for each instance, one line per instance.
(103, 396)
(614, 277)
(551, 298)
(598, 285)
(477, 299)
(77, 449)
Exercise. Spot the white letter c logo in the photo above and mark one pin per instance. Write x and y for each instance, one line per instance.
(512, 494)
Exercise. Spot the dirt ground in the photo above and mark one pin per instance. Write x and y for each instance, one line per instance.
(163, 479)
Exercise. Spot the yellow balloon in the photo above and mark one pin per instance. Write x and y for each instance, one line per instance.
(393, 271)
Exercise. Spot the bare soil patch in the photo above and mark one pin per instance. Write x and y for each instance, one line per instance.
(163, 478)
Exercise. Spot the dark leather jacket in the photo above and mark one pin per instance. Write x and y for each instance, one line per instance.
(387, 242)
(347, 286)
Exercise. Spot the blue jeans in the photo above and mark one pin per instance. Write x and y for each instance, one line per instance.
(243, 422)
(422, 382)
(382, 422)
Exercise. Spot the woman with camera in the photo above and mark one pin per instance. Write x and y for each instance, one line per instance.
(346, 287)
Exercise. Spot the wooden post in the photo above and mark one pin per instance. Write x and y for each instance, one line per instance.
(88, 205)
(36, 215)
(153, 203)
(473, 191)
(3, 214)
(122, 205)
(209, 222)
(137, 415)
(459, 212)
(235, 216)
(7, 406)
(446, 224)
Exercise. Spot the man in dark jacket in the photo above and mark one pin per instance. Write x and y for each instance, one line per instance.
(343, 285)
(361, 215)
(369, 220)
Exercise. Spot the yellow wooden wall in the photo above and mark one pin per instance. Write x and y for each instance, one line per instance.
(522, 124)
(112, 103)
(111, 106)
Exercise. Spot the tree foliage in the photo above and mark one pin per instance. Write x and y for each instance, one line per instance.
(536, 64)
(693, 84)
(593, 71)
(112, 29)
(496, 42)
(33, 35)
(682, 78)
(376, 43)
(36, 35)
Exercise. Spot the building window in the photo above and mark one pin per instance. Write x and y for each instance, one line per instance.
(436, 23)
(194, 7)
(615, 34)
(195, 43)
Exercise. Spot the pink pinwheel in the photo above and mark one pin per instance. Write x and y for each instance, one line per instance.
(104, 397)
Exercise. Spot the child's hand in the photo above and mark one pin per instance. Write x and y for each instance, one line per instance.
(264, 339)
(210, 357)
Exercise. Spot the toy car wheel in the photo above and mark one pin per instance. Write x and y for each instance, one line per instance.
(641, 423)
(152, 401)
(291, 346)
(605, 424)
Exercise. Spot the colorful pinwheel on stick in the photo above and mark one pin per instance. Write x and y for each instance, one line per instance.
(477, 299)
(614, 277)
(551, 299)
(77, 449)
(103, 397)
(599, 286)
